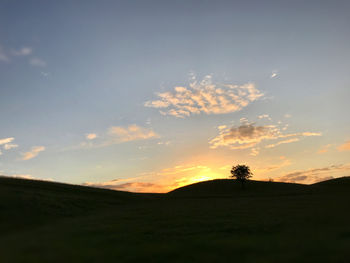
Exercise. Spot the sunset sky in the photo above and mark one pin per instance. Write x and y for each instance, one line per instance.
(152, 95)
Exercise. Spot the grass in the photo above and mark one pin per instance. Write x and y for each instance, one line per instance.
(213, 221)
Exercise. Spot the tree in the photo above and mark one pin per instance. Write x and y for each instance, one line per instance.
(241, 173)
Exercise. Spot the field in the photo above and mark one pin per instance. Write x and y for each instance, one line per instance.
(213, 221)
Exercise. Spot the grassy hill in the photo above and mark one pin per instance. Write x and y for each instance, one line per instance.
(42, 201)
(204, 222)
(229, 187)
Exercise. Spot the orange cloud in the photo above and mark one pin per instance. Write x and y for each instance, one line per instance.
(91, 136)
(315, 175)
(344, 147)
(282, 142)
(324, 149)
(6, 140)
(162, 181)
(131, 133)
(33, 153)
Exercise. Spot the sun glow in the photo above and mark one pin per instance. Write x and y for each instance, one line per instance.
(204, 176)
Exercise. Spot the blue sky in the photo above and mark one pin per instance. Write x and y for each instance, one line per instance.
(88, 91)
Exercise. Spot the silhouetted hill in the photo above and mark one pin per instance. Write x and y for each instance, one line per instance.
(336, 182)
(38, 201)
(212, 221)
(340, 185)
(229, 187)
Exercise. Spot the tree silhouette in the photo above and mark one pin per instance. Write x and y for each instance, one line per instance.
(241, 173)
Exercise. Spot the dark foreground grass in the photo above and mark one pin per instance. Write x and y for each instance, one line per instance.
(267, 222)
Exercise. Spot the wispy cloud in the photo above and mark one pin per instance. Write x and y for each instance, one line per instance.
(3, 56)
(114, 135)
(268, 168)
(22, 176)
(6, 140)
(249, 135)
(6, 55)
(33, 152)
(316, 174)
(27, 176)
(37, 62)
(264, 116)
(162, 181)
(91, 136)
(24, 51)
(6, 144)
(254, 152)
(166, 143)
(9, 146)
(324, 149)
(140, 187)
(344, 147)
(131, 133)
(205, 97)
(282, 142)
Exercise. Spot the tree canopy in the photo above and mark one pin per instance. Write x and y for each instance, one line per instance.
(241, 173)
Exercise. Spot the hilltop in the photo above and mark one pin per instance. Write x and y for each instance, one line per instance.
(229, 187)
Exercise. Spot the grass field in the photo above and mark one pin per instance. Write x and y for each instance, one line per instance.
(213, 221)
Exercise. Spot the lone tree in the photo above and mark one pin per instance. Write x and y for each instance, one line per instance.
(241, 173)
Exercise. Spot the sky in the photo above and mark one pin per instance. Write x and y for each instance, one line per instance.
(148, 96)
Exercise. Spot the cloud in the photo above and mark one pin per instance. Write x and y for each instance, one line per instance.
(131, 133)
(268, 168)
(205, 97)
(114, 135)
(9, 146)
(162, 181)
(6, 143)
(166, 143)
(264, 116)
(315, 175)
(33, 153)
(274, 74)
(37, 62)
(23, 176)
(344, 147)
(248, 135)
(254, 152)
(282, 142)
(24, 51)
(324, 149)
(3, 56)
(91, 136)
(6, 140)
(27, 176)
(45, 74)
(244, 136)
(138, 187)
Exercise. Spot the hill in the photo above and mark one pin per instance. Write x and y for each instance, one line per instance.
(41, 201)
(229, 187)
(212, 221)
(338, 184)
